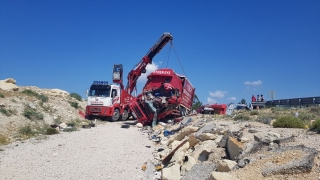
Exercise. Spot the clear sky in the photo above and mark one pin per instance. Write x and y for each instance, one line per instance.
(228, 49)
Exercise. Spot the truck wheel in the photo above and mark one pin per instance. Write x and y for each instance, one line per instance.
(116, 115)
(125, 115)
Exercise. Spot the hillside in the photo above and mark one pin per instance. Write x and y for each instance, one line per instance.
(29, 106)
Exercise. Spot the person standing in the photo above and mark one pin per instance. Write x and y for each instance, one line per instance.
(253, 98)
(262, 99)
(258, 98)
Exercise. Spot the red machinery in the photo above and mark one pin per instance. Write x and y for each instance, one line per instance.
(173, 92)
(213, 109)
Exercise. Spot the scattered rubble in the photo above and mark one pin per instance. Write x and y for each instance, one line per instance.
(206, 149)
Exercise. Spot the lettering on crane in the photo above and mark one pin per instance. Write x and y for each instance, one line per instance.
(162, 72)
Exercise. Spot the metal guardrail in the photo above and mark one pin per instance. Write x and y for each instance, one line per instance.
(295, 101)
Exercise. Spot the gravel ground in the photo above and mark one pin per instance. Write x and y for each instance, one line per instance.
(106, 151)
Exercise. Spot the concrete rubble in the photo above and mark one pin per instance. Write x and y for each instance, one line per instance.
(203, 150)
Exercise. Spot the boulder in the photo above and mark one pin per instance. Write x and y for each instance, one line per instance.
(207, 136)
(208, 128)
(202, 152)
(63, 125)
(266, 137)
(234, 148)
(10, 80)
(199, 171)
(226, 165)
(179, 155)
(139, 125)
(9, 85)
(187, 166)
(183, 133)
(221, 176)
(171, 173)
(192, 140)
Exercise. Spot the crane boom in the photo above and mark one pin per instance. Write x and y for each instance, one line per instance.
(140, 68)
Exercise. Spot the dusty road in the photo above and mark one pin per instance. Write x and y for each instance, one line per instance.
(103, 152)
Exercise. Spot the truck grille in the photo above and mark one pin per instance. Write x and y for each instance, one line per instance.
(93, 109)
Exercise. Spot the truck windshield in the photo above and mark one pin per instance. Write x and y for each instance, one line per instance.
(100, 90)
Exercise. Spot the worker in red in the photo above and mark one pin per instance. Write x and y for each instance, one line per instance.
(253, 99)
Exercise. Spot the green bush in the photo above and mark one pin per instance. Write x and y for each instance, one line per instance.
(70, 129)
(41, 97)
(306, 116)
(255, 112)
(32, 114)
(51, 131)
(316, 125)
(288, 122)
(3, 140)
(265, 119)
(26, 130)
(29, 92)
(1, 95)
(76, 96)
(242, 117)
(8, 112)
(74, 104)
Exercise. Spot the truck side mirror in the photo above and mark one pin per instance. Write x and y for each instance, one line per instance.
(87, 92)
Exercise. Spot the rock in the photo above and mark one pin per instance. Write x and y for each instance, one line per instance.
(171, 173)
(9, 85)
(174, 144)
(225, 165)
(202, 152)
(192, 140)
(266, 137)
(302, 165)
(179, 155)
(208, 128)
(243, 162)
(244, 140)
(199, 171)
(139, 125)
(10, 80)
(221, 176)
(187, 166)
(184, 132)
(216, 155)
(63, 125)
(234, 148)
(251, 130)
(207, 136)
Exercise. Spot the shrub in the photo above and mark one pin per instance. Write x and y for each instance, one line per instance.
(70, 129)
(1, 95)
(316, 125)
(74, 104)
(306, 116)
(288, 122)
(266, 119)
(8, 112)
(13, 100)
(51, 131)
(32, 114)
(58, 120)
(26, 130)
(315, 110)
(29, 92)
(3, 140)
(255, 112)
(43, 98)
(242, 117)
(76, 96)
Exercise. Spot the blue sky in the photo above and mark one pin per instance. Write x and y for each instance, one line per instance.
(228, 49)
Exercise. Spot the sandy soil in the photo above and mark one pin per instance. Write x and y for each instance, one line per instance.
(106, 151)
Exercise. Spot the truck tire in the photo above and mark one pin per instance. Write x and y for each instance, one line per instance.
(124, 115)
(116, 115)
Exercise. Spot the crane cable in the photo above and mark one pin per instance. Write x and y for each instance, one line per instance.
(168, 57)
(178, 59)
